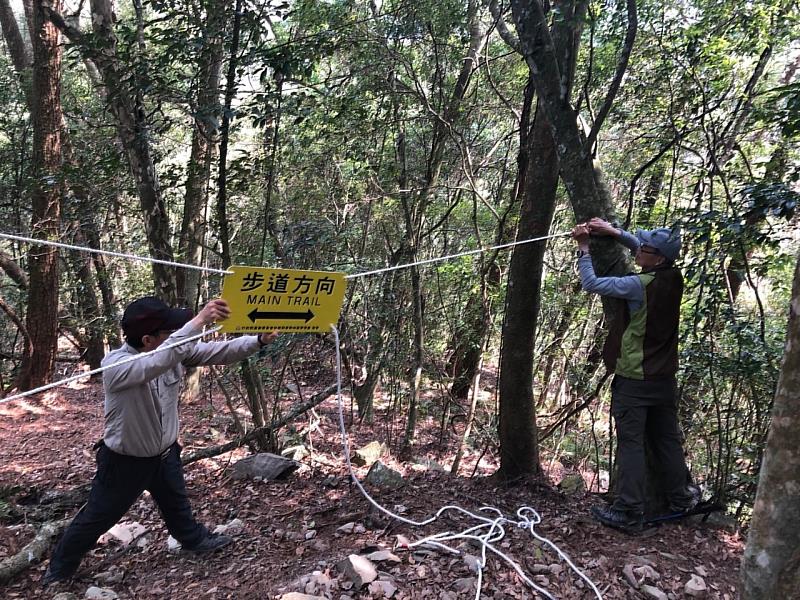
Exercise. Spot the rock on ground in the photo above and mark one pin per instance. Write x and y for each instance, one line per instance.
(358, 569)
(265, 466)
(384, 477)
(96, 593)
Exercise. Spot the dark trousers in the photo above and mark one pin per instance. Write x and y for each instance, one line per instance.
(647, 411)
(119, 481)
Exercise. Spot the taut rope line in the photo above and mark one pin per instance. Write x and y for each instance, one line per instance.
(458, 255)
(36, 241)
(124, 361)
(30, 240)
(170, 263)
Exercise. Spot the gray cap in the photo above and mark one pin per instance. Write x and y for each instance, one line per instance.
(667, 241)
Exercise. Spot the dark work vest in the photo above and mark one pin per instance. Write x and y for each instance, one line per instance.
(644, 345)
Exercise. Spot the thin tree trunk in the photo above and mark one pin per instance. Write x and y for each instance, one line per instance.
(476, 381)
(205, 137)
(222, 177)
(126, 101)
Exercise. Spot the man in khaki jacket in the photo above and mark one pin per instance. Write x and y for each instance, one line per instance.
(139, 450)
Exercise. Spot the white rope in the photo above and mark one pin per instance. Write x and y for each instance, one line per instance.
(124, 361)
(170, 263)
(458, 255)
(224, 272)
(488, 530)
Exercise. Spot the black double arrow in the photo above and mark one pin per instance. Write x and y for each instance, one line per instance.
(255, 315)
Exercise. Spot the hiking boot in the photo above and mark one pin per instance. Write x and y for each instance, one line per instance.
(49, 578)
(618, 519)
(211, 543)
(686, 504)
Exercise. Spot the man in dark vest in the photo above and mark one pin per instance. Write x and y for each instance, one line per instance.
(642, 351)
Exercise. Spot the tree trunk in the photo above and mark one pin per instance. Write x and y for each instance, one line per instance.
(416, 378)
(538, 184)
(126, 101)
(205, 137)
(222, 176)
(518, 438)
(468, 341)
(17, 48)
(38, 361)
(90, 314)
(771, 562)
(584, 185)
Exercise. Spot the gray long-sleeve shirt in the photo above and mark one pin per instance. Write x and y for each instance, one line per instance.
(141, 397)
(627, 287)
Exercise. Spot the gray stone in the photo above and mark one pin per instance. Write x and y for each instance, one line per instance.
(429, 464)
(382, 476)
(572, 484)
(125, 532)
(346, 528)
(651, 591)
(465, 585)
(232, 528)
(109, 577)
(647, 573)
(358, 569)
(265, 466)
(382, 588)
(173, 545)
(96, 593)
(473, 562)
(382, 556)
(368, 454)
(696, 587)
(298, 452)
(630, 577)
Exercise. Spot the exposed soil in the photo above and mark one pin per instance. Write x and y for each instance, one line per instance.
(290, 527)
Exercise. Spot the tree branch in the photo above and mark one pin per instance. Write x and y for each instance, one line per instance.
(21, 54)
(13, 270)
(502, 28)
(74, 34)
(237, 443)
(31, 553)
(622, 66)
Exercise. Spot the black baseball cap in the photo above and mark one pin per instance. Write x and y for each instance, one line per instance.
(148, 315)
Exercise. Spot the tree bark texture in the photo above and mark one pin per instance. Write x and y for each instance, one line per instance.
(519, 452)
(771, 562)
(38, 361)
(222, 176)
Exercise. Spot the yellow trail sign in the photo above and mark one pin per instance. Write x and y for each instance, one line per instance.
(286, 300)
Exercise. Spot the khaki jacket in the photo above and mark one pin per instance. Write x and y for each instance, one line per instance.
(141, 397)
